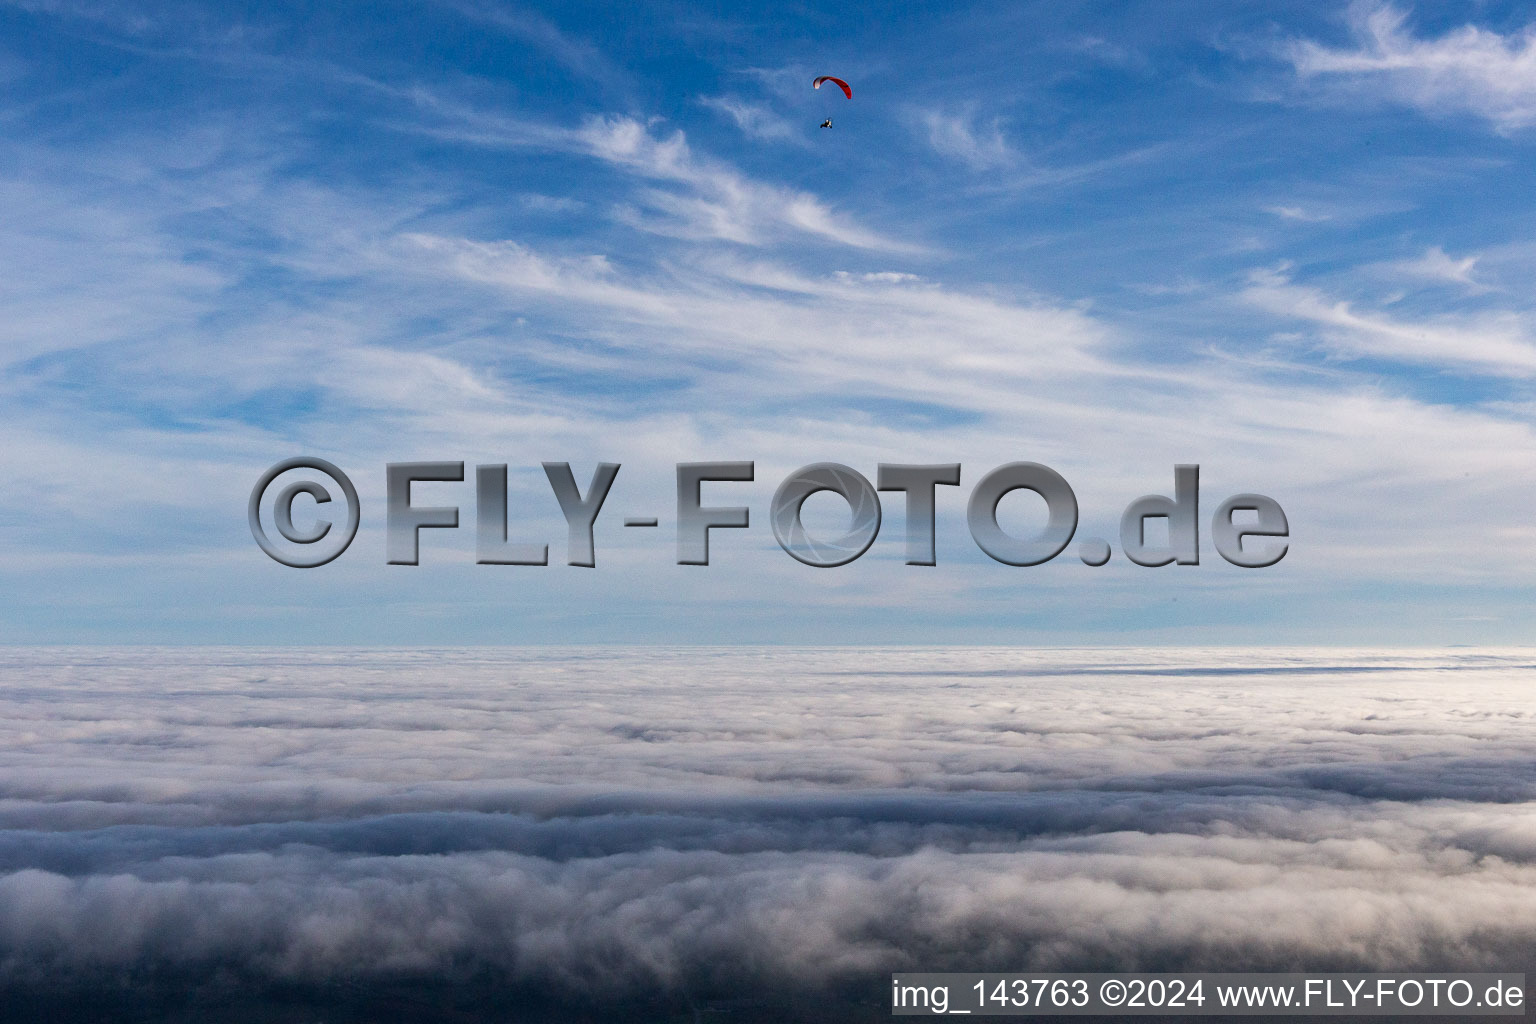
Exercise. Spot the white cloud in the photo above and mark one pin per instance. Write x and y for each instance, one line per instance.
(754, 119)
(551, 204)
(117, 17)
(958, 136)
(1499, 344)
(723, 203)
(1298, 213)
(1470, 69)
(1435, 265)
(710, 200)
(879, 277)
(944, 345)
(574, 53)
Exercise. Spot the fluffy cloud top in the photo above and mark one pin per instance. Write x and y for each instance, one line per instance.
(698, 826)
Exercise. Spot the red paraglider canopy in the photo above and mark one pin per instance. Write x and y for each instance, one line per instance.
(840, 84)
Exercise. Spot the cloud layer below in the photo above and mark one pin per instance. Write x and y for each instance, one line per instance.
(683, 828)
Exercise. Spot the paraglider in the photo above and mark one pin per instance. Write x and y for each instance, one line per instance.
(847, 91)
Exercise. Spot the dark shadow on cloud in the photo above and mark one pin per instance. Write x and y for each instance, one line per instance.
(559, 825)
(196, 999)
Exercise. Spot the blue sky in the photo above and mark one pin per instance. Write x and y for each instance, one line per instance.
(1291, 244)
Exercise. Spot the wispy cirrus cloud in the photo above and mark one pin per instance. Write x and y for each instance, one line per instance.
(1435, 265)
(1470, 69)
(961, 136)
(1500, 343)
(710, 198)
(724, 203)
(1299, 213)
(756, 120)
(116, 17)
(522, 23)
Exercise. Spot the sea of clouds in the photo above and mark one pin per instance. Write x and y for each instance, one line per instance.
(747, 829)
